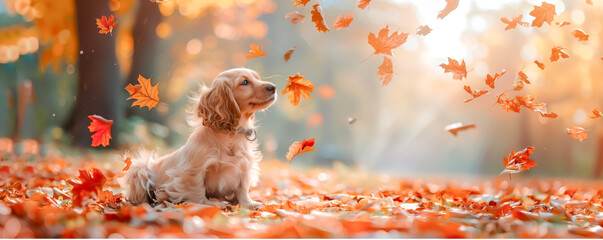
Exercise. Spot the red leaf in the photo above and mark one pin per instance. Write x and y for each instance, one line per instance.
(102, 130)
(287, 55)
(300, 3)
(519, 162)
(596, 113)
(474, 93)
(106, 26)
(86, 184)
(539, 64)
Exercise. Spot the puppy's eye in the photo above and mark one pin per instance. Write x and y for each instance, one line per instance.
(245, 82)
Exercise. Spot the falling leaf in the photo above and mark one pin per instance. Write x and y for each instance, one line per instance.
(423, 30)
(128, 162)
(363, 3)
(314, 120)
(577, 133)
(564, 23)
(145, 94)
(548, 115)
(351, 120)
(300, 3)
(450, 6)
(457, 127)
(520, 80)
(295, 17)
(386, 71)
(596, 114)
(519, 161)
(318, 18)
(459, 71)
(343, 22)
(511, 24)
(383, 43)
(287, 55)
(474, 93)
(580, 35)
(300, 147)
(539, 64)
(543, 13)
(86, 184)
(255, 51)
(296, 87)
(106, 26)
(101, 128)
(556, 52)
(326, 92)
(589, 2)
(491, 79)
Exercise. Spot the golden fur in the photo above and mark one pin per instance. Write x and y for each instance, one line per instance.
(218, 161)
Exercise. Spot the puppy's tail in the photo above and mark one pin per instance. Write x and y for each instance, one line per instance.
(138, 181)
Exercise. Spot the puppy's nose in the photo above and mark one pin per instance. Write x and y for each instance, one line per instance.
(271, 88)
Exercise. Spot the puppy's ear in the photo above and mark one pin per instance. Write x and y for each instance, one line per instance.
(218, 108)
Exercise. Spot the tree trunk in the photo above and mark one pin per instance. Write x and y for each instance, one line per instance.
(98, 81)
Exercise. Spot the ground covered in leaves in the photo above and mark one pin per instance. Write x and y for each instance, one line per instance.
(50, 198)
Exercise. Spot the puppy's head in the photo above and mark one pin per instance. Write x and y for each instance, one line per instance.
(234, 95)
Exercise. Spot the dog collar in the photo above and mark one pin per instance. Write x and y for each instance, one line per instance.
(249, 133)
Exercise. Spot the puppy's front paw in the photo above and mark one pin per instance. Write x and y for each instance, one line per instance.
(252, 205)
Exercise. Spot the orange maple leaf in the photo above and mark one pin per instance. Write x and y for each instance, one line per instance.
(86, 184)
(511, 24)
(255, 51)
(459, 71)
(383, 43)
(287, 55)
(386, 71)
(300, 3)
(539, 64)
(577, 133)
(298, 88)
(363, 3)
(108, 198)
(318, 19)
(450, 6)
(295, 17)
(128, 162)
(145, 94)
(423, 30)
(519, 161)
(580, 35)
(102, 130)
(343, 22)
(520, 80)
(106, 26)
(300, 147)
(474, 93)
(454, 128)
(556, 52)
(491, 79)
(596, 113)
(543, 13)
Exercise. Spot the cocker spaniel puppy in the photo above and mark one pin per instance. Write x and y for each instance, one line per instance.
(220, 159)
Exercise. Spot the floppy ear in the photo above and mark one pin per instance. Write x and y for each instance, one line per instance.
(218, 108)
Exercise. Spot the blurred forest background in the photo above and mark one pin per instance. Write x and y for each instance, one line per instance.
(56, 69)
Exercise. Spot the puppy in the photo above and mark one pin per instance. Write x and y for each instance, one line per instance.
(220, 158)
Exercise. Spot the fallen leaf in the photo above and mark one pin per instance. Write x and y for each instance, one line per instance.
(474, 93)
(108, 198)
(459, 71)
(556, 52)
(454, 128)
(295, 17)
(343, 22)
(101, 128)
(296, 87)
(106, 26)
(300, 147)
(539, 64)
(450, 6)
(363, 3)
(287, 55)
(318, 18)
(596, 113)
(577, 133)
(423, 30)
(86, 184)
(145, 94)
(543, 13)
(128, 162)
(519, 162)
(300, 3)
(326, 92)
(520, 80)
(511, 24)
(386, 71)
(255, 51)
(580, 35)
(490, 80)
(383, 43)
